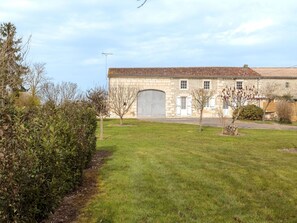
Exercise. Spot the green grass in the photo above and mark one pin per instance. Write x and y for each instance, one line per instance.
(171, 173)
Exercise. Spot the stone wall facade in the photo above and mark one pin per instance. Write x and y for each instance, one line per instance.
(286, 86)
(171, 87)
(167, 91)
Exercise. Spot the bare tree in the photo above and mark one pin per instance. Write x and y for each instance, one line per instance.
(236, 99)
(201, 98)
(121, 98)
(69, 92)
(98, 99)
(36, 79)
(269, 93)
(60, 93)
(284, 111)
(222, 117)
(50, 93)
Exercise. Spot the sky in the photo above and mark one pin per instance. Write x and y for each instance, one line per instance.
(71, 35)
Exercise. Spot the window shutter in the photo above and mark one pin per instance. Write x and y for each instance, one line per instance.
(189, 105)
(178, 106)
(225, 105)
(212, 102)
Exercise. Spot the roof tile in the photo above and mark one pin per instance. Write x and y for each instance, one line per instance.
(184, 72)
(281, 72)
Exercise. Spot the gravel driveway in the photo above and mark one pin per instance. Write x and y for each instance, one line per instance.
(217, 123)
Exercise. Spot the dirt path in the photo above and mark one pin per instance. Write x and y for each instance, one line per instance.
(69, 208)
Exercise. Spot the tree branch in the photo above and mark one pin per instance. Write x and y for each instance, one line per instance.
(142, 3)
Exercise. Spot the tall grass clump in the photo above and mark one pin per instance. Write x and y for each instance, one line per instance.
(284, 112)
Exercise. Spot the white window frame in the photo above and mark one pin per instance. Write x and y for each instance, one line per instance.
(204, 84)
(189, 105)
(180, 84)
(184, 108)
(178, 106)
(237, 81)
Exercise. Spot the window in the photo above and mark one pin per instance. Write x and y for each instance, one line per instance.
(238, 84)
(207, 104)
(206, 85)
(183, 102)
(225, 104)
(183, 84)
(287, 84)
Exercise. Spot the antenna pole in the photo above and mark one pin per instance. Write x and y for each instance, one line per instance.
(106, 69)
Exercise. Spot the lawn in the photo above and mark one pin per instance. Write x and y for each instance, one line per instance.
(172, 173)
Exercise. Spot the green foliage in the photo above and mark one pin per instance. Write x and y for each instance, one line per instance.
(26, 100)
(12, 53)
(250, 112)
(43, 152)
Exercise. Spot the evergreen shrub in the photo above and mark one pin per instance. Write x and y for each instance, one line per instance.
(43, 151)
(250, 112)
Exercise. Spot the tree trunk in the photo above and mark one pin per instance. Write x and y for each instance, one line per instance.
(234, 118)
(121, 120)
(101, 128)
(231, 130)
(268, 102)
(200, 120)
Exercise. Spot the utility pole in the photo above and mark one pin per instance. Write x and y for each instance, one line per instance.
(106, 69)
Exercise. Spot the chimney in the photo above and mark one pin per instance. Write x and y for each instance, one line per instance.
(245, 69)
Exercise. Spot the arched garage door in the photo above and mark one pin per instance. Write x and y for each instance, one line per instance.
(151, 103)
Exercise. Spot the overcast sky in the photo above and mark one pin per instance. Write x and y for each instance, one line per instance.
(70, 35)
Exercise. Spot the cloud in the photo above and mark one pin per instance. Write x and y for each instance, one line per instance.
(18, 4)
(7, 16)
(75, 28)
(254, 26)
(70, 35)
(91, 61)
(246, 33)
(31, 5)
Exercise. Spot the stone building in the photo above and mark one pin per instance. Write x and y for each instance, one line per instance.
(166, 92)
(286, 80)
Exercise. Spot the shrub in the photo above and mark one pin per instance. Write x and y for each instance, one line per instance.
(43, 152)
(250, 112)
(284, 112)
(26, 100)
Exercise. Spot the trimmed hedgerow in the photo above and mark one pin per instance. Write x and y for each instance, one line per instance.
(251, 112)
(43, 152)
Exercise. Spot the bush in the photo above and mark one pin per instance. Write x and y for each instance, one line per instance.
(43, 152)
(250, 112)
(284, 112)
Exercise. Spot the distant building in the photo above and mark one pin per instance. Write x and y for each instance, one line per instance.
(166, 92)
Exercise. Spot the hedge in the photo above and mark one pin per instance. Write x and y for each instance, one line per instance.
(251, 112)
(43, 152)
